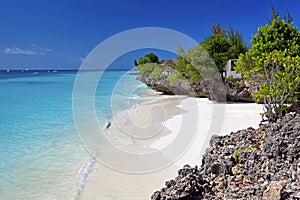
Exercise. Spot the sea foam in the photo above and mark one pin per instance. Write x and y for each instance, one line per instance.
(85, 172)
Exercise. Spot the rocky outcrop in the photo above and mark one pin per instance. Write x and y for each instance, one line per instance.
(213, 89)
(274, 191)
(241, 90)
(189, 185)
(248, 164)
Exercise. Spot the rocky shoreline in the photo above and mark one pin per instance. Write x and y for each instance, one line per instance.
(237, 91)
(261, 163)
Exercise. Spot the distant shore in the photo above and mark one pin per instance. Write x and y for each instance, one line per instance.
(156, 125)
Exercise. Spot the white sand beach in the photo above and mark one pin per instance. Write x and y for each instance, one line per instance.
(159, 137)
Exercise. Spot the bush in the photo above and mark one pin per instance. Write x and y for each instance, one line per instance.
(152, 70)
(174, 78)
(274, 57)
(148, 58)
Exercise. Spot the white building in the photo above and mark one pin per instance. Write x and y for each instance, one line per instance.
(229, 69)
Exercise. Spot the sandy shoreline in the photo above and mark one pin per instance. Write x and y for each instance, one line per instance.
(170, 132)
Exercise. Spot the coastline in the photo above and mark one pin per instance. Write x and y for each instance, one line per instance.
(107, 183)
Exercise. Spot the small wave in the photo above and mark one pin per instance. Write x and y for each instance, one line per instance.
(135, 96)
(85, 172)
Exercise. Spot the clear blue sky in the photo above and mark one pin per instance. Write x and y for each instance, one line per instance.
(55, 34)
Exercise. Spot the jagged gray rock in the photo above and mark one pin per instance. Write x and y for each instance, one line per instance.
(214, 89)
(274, 191)
(248, 164)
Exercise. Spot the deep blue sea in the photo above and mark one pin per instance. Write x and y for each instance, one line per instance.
(41, 154)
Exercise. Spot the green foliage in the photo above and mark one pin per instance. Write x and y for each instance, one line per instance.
(222, 46)
(174, 78)
(236, 157)
(217, 46)
(274, 57)
(195, 64)
(161, 61)
(186, 70)
(278, 36)
(217, 29)
(199, 62)
(145, 69)
(157, 73)
(237, 44)
(152, 70)
(148, 58)
(281, 85)
(287, 16)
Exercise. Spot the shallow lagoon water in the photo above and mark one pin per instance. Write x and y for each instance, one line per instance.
(41, 154)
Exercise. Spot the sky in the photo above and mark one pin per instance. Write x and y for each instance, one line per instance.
(60, 34)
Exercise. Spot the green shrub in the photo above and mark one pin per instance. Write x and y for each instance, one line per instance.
(274, 57)
(174, 78)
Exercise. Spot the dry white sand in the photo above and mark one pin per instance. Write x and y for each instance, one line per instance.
(175, 131)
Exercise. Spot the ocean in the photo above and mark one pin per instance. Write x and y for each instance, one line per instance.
(41, 155)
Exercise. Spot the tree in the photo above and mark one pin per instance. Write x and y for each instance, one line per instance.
(217, 29)
(194, 65)
(281, 83)
(148, 58)
(217, 46)
(274, 57)
(222, 46)
(237, 44)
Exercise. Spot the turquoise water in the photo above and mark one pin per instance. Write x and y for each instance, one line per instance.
(41, 154)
